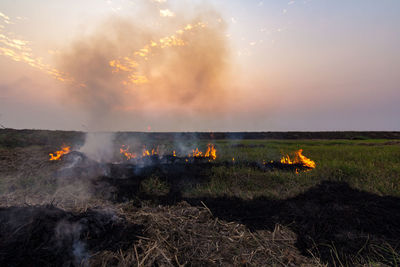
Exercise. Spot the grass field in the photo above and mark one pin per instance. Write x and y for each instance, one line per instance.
(344, 212)
(369, 165)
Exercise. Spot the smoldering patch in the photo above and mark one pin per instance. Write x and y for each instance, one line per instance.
(48, 236)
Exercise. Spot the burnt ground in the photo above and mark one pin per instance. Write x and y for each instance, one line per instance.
(129, 230)
(326, 218)
(332, 221)
(328, 224)
(50, 236)
(127, 178)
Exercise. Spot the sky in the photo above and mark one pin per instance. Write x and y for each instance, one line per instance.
(193, 65)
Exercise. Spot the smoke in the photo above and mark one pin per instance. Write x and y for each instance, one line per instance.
(149, 63)
(81, 168)
(99, 146)
(69, 232)
(75, 178)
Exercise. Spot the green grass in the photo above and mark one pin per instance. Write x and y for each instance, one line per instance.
(153, 185)
(369, 165)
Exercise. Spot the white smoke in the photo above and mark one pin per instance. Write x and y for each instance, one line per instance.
(68, 232)
(99, 146)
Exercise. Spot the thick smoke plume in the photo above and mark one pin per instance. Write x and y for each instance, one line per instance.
(151, 62)
(99, 146)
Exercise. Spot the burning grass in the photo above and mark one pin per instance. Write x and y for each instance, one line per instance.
(58, 154)
(299, 158)
(210, 153)
(215, 212)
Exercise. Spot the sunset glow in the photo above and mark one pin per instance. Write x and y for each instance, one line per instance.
(195, 66)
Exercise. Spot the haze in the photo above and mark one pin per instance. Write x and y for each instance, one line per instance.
(222, 65)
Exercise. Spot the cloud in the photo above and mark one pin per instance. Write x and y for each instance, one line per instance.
(5, 18)
(130, 67)
(166, 13)
(20, 50)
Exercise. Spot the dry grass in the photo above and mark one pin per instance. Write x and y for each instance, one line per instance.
(182, 235)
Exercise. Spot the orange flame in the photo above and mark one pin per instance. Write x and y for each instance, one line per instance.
(196, 153)
(147, 153)
(211, 153)
(125, 151)
(58, 154)
(298, 158)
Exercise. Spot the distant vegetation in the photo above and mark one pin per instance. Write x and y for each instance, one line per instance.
(21, 138)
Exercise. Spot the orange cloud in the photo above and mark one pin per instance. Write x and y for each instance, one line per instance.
(19, 50)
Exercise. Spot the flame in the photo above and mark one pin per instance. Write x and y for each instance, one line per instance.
(196, 153)
(147, 153)
(125, 151)
(58, 154)
(211, 153)
(298, 158)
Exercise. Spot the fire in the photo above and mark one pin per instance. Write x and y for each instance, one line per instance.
(147, 153)
(125, 151)
(58, 154)
(211, 153)
(196, 153)
(298, 158)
